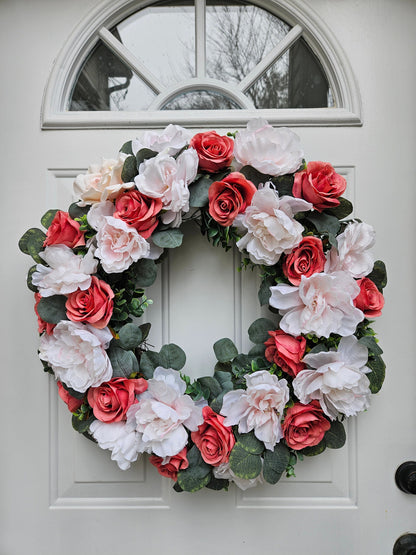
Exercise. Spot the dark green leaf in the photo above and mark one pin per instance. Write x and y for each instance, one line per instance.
(29, 279)
(172, 356)
(48, 217)
(145, 329)
(76, 211)
(371, 344)
(129, 170)
(335, 437)
(123, 362)
(320, 348)
(197, 475)
(315, 450)
(144, 272)
(218, 484)
(222, 367)
(377, 374)
(254, 175)
(264, 291)
(257, 351)
(244, 464)
(168, 239)
(148, 362)
(127, 148)
(144, 154)
(216, 404)
(177, 487)
(31, 243)
(82, 426)
(225, 350)
(250, 443)
(379, 275)
(52, 309)
(325, 224)
(77, 394)
(341, 211)
(210, 383)
(198, 192)
(258, 331)
(275, 463)
(224, 379)
(284, 184)
(130, 337)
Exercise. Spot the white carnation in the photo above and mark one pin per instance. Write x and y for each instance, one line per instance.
(170, 141)
(66, 272)
(336, 379)
(271, 151)
(76, 353)
(119, 438)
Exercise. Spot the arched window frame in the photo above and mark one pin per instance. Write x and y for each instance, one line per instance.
(108, 13)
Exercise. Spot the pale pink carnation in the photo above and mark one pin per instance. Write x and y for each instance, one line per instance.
(169, 141)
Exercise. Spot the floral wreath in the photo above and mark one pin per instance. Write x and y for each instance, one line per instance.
(314, 362)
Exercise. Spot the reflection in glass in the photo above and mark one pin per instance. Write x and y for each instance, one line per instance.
(201, 100)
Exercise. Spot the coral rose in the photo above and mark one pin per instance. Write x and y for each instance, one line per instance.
(111, 400)
(214, 439)
(138, 211)
(286, 351)
(369, 299)
(305, 425)
(215, 152)
(170, 466)
(230, 197)
(72, 402)
(94, 305)
(64, 231)
(306, 259)
(320, 185)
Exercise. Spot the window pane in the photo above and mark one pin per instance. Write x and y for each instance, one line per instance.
(238, 38)
(201, 100)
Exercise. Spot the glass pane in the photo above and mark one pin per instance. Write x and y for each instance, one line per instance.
(201, 100)
(162, 36)
(106, 83)
(271, 89)
(238, 38)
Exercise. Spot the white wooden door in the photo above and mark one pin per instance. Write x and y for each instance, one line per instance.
(59, 493)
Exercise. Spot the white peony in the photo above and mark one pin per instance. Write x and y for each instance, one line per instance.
(101, 182)
(259, 407)
(271, 228)
(353, 253)
(168, 179)
(224, 472)
(76, 353)
(119, 438)
(97, 213)
(270, 151)
(119, 245)
(170, 141)
(322, 304)
(66, 272)
(336, 379)
(162, 414)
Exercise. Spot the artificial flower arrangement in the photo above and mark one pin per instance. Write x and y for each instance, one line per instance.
(314, 363)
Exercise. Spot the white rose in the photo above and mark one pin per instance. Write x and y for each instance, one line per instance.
(119, 438)
(119, 245)
(353, 253)
(170, 141)
(271, 228)
(259, 407)
(271, 151)
(66, 272)
(101, 182)
(337, 379)
(162, 414)
(322, 304)
(76, 353)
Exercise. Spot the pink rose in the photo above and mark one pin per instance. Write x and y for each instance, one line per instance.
(286, 351)
(93, 306)
(213, 438)
(72, 402)
(42, 325)
(138, 211)
(369, 299)
(64, 231)
(214, 152)
(320, 185)
(111, 400)
(306, 259)
(230, 197)
(170, 466)
(305, 425)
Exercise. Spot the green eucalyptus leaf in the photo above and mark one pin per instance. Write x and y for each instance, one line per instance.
(73, 392)
(30, 285)
(123, 362)
(148, 362)
(172, 356)
(197, 475)
(198, 192)
(275, 463)
(31, 243)
(130, 337)
(254, 175)
(264, 291)
(129, 171)
(370, 342)
(341, 211)
(379, 275)
(210, 383)
(250, 443)
(145, 329)
(244, 464)
(284, 184)
(225, 350)
(168, 239)
(82, 426)
(52, 309)
(325, 224)
(258, 331)
(257, 351)
(144, 154)
(48, 217)
(127, 148)
(377, 374)
(315, 450)
(76, 211)
(320, 348)
(224, 379)
(144, 272)
(218, 484)
(335, 437)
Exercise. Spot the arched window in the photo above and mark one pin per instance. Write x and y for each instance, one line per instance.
(213, 61)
